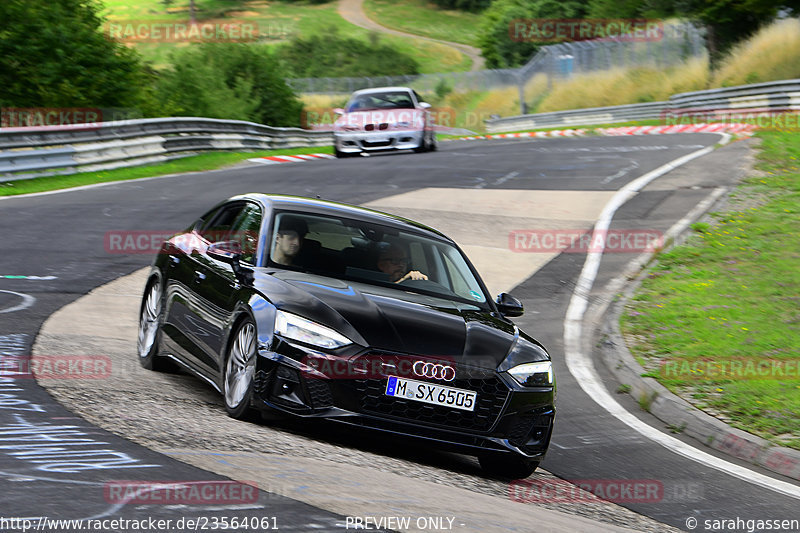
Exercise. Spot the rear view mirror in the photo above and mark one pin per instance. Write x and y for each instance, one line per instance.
(508, 305)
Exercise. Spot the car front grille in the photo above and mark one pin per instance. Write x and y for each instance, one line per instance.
(492, 396)
(376, 144)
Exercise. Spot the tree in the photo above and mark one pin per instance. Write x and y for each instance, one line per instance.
(53, 54)
(502, 47)
(228, 80)
(727, 21)
(730, 21)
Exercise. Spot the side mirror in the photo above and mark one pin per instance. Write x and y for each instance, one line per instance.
(508, 305)
(231, 252)
(338, 111)
(226, 251)
(425, 105)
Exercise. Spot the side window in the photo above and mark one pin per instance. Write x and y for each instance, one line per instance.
(219, 226)
(246, 231)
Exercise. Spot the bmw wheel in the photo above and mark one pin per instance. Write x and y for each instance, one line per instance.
(240, 370)
(149, 324)
(507, 466)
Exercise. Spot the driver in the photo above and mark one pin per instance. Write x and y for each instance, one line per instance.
(393, 260)
(289, 240)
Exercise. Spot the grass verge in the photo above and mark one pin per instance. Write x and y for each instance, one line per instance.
(277, 22)
(196, 163)
(421, 17)
(718, 319)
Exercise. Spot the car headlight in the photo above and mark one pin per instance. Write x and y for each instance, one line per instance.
(300, 329)
(538, 374)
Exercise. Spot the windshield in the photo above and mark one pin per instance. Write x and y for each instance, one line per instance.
(373, 254)
(384, 100)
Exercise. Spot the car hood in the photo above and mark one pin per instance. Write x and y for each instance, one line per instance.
(387, 319)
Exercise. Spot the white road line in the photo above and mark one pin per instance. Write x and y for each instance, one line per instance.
(580, 363)
(35, 278)
(27, 301)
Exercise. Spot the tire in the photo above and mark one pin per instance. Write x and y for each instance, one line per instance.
(434, 146)
(240, 365)
(150, 328)
(423, 146)
(507, 467)
(341, 155)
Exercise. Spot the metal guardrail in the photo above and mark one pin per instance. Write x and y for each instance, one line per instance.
(590, 116)
(778, 95)
(50, 150)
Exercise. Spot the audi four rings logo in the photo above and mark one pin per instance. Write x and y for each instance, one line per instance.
(434, 371)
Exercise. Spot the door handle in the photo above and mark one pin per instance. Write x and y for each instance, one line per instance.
(198, 276)
(173, 261)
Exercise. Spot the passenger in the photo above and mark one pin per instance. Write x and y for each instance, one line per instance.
(393, 260)
(289, 240)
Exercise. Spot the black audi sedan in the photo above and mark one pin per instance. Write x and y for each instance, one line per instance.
(315, 309)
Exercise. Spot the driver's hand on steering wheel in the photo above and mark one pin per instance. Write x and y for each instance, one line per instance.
(415, 275)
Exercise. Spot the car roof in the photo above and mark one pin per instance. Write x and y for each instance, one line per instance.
(319, 206)
(381, 90)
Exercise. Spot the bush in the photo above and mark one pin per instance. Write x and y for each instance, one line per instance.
(334, 56)
(463, 5)
(228, 80)
(53, 54)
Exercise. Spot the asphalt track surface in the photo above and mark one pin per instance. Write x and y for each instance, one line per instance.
(62, 235)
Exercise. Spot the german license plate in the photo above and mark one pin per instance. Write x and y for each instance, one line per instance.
(420, 391)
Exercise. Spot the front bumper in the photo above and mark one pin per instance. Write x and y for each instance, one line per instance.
(377, 141)
(507, 418)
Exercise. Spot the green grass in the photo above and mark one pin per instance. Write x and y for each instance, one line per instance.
(277, 22)
(424, 18)
(730, 298)
(197, 163)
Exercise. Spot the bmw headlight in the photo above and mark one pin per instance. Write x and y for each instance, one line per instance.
(297, 328)
(538, 374)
